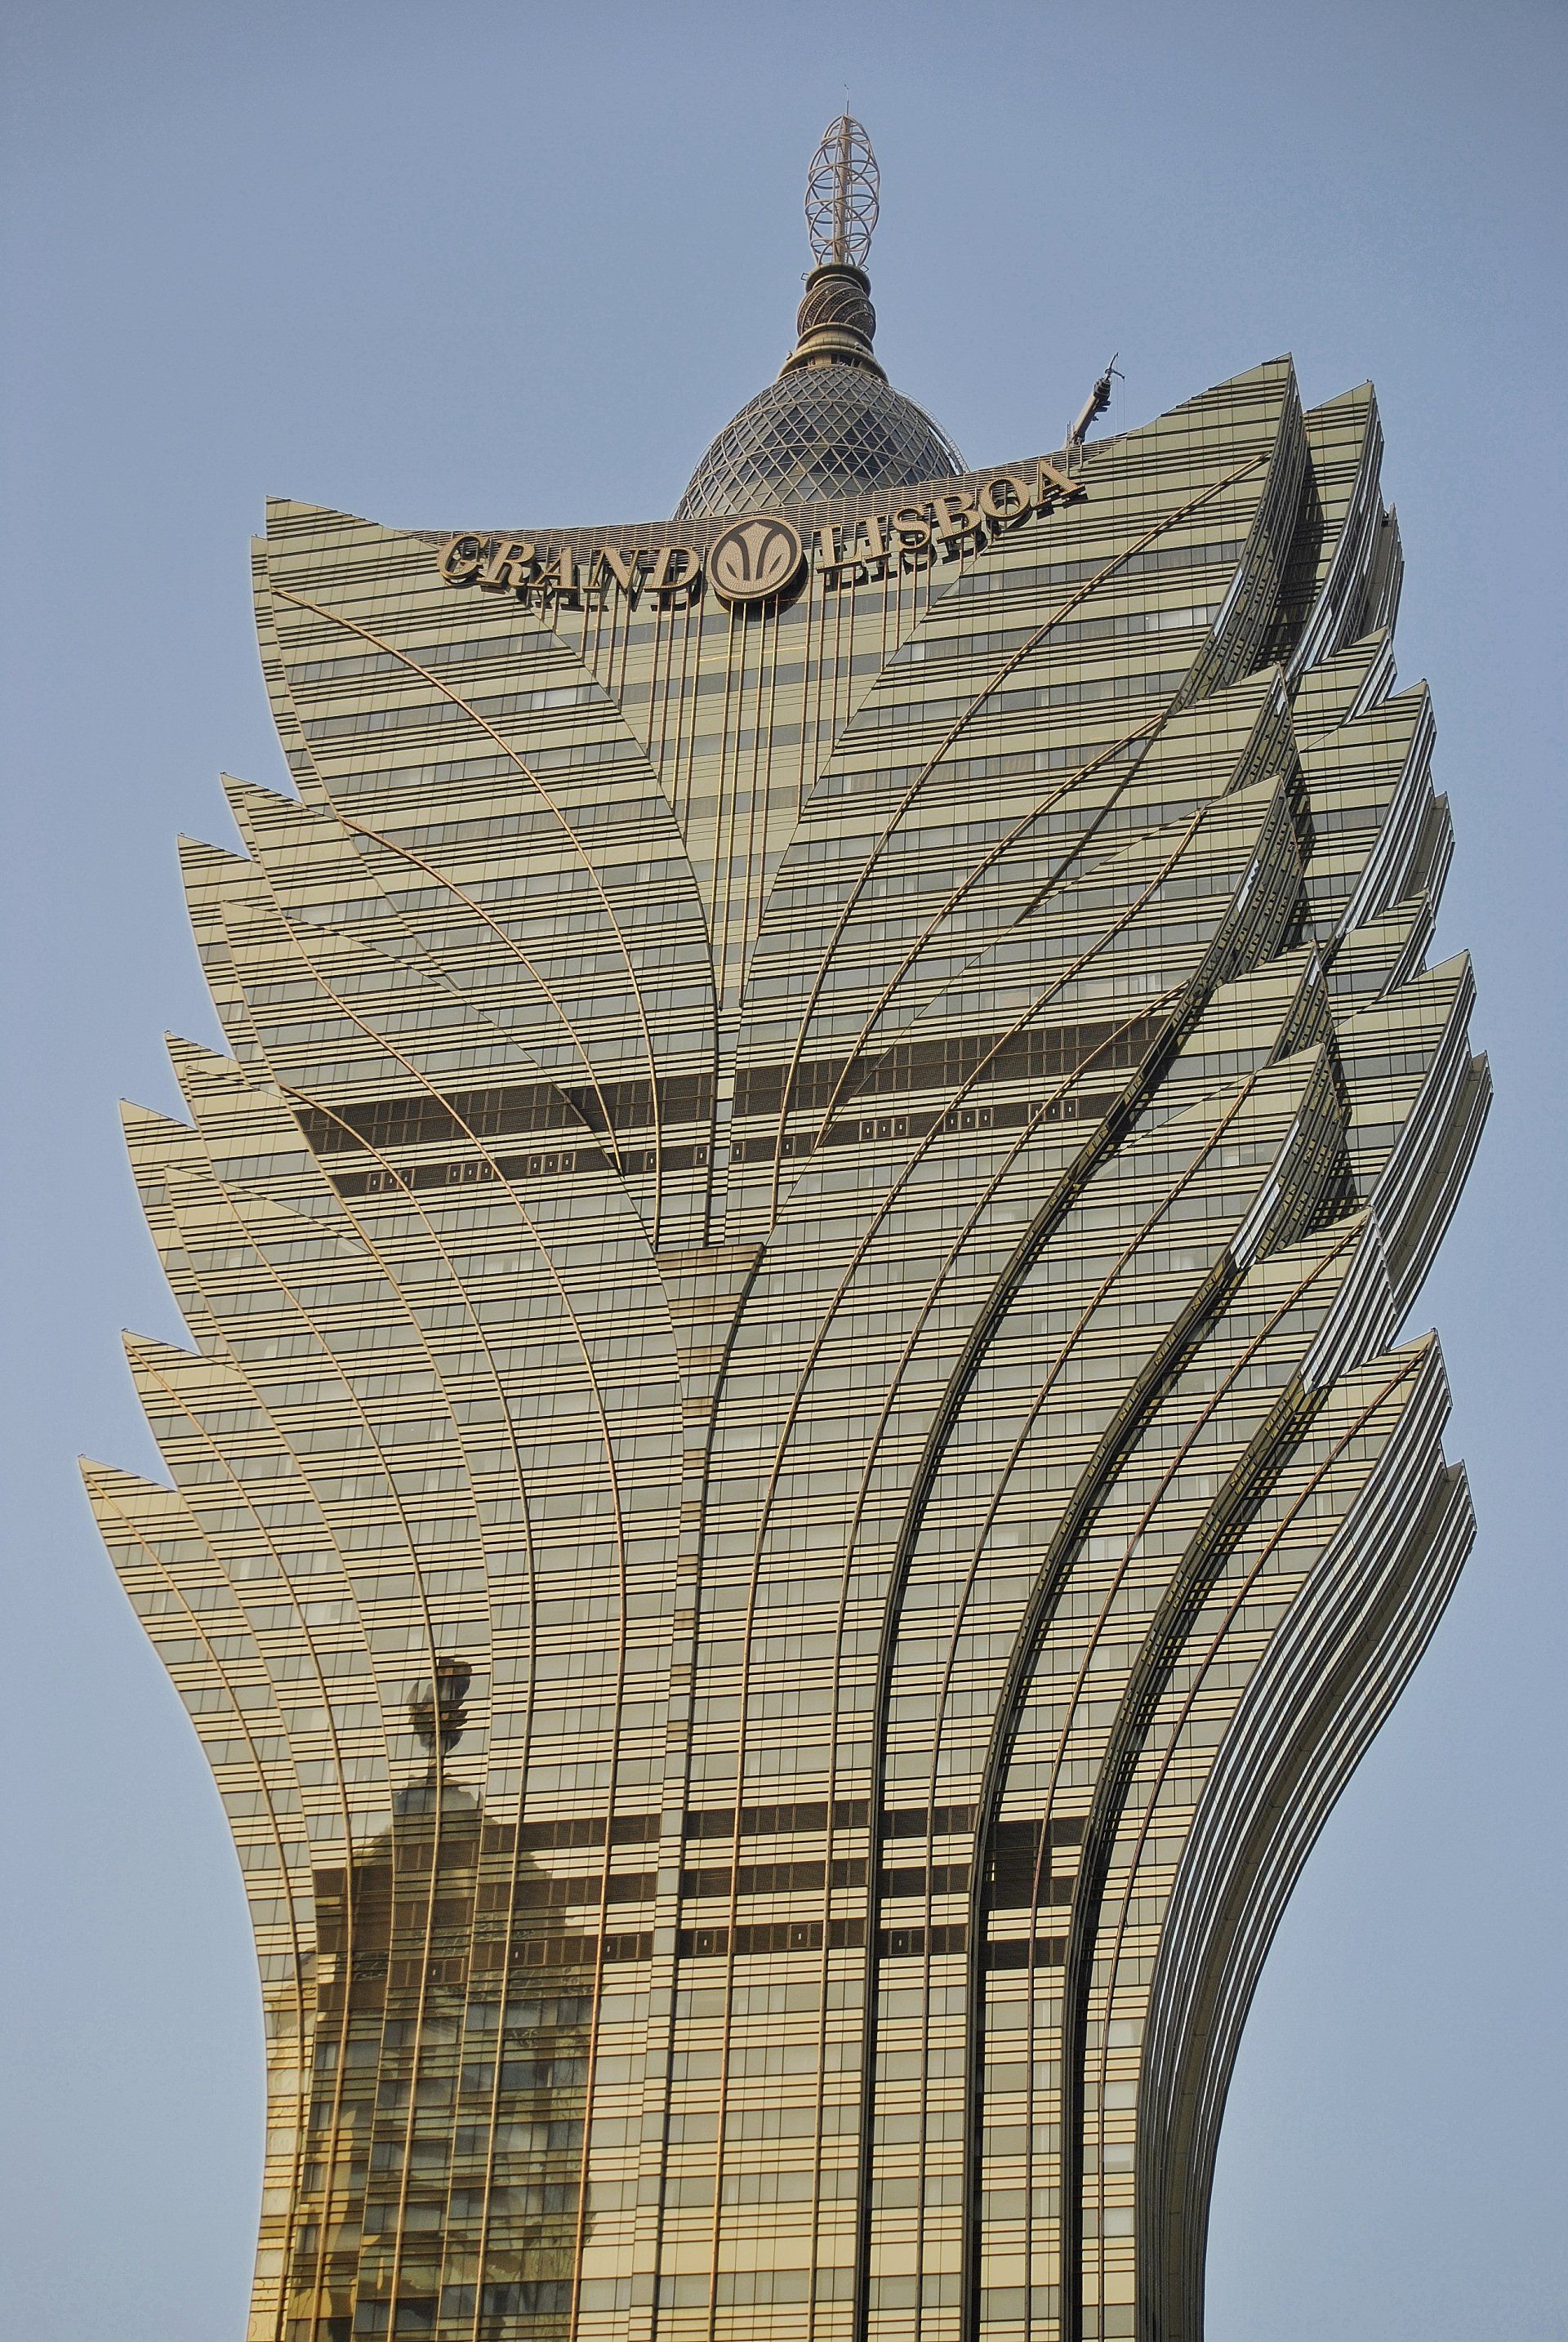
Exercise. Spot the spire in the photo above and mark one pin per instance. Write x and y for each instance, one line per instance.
(835, 320)
(831, 425)
(436, 1710)
(840, 196)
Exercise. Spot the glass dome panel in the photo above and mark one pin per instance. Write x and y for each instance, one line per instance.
(817, 431)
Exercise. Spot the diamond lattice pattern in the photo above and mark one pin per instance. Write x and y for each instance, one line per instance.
(824, 431)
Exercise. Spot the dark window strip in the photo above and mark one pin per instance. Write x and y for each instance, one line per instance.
(779, 1936)
(942, 1879)
(530, 1892)
(500, 1839)
(497, 1112)
(585, 1829)
(1049, 1053)
(1037, 1054)
(1087, 1106)
(848, 1813)
(1025, 1951)
(777, 1821)
(639, 1162)
(773, 1877)
(806, 1935)
(800, 1877)
(928, 1821)
(580, 1951)
(474, 1171)
(1020, 1865)
(914, 1943)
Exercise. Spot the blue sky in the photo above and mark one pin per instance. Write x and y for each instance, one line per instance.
(505, 263)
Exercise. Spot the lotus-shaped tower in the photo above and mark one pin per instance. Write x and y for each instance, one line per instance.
(798, 1474)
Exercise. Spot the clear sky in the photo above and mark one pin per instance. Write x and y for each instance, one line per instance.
(494, 263)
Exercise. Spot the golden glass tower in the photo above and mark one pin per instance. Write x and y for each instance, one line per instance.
(796, 1481)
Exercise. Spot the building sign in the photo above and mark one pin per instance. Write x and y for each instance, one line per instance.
(761, 556)
(756, 559)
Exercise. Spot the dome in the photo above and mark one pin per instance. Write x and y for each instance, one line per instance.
(831, 424)
(825, 430)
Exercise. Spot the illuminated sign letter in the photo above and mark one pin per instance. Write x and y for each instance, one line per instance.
(558, 575)
(461, 558)
(675, 570)
(911, 527)
(625, 568)
(1004, 498)
(954, 517)
(1050, 484)
(512, 565)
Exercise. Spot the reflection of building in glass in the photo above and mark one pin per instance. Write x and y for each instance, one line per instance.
(447, 2041)
(832, 1123)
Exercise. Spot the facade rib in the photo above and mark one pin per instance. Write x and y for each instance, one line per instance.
(798, 1476)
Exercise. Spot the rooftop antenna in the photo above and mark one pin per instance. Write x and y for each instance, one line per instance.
(1094, 405)
(840, 196)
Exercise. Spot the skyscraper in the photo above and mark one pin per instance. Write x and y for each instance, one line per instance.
(797, 1482)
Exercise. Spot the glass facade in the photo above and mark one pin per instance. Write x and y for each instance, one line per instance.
(796, 1484)
(826, 431)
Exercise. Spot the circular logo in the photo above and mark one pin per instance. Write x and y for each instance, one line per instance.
(756, 557)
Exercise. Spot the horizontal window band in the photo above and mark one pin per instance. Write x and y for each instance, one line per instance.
(804, 1877)
(1206, 554)
(1026, 1952)
(774, 1878)
(426, 1119)
(744, 1942)
(920, 1943)
(855, 1813)
(376, 1971)
(578, 1951)
(1038, 1053)
(402, 1971)
(857, 1131)
(1020, 1865)
(481, 1864)
(777, 1821)
(490, 1850)
(776, 1936)
(928, 1821)
(848, 1813)
(588, 1829)
(1020, 1895)
(493, 1910)
(472, 1171)
(1011, 1888)
(849, 1934)
(1049, 1053)
(942, 1879)
(531, 1892)
(640, 1162)
(475, 1171)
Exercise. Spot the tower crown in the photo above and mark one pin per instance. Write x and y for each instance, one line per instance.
(842, 195)
(831, 424)
(835, 321)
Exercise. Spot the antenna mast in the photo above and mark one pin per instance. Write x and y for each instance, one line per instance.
(842, 196)
(1094, 405)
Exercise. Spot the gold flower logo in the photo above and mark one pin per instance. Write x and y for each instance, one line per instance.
(756, 557)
